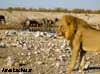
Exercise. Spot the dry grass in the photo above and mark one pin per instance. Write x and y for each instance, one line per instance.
(10, 26)
(16, 27)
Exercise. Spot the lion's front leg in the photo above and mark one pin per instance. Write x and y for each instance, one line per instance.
(75, 50)
(82, 60)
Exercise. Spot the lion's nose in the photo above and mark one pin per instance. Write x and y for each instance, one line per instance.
(59, 34)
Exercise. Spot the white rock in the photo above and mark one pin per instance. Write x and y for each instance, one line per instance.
(29, 53)
(87, 64)
(3, 45)
(37, 34)
(57, 64)
(39, 62)
(21, 72)
(10, 61)
(9, 33)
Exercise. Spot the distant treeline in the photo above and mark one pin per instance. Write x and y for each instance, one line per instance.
(10, 9)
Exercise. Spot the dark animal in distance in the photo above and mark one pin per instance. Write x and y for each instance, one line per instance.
(2, 19)
(32, 23)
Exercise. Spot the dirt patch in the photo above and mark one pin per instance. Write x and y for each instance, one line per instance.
(42, 52)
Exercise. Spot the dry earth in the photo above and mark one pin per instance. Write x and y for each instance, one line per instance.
(42, 52)
(15, 16)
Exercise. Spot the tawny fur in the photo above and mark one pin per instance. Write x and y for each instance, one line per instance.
(83, 37)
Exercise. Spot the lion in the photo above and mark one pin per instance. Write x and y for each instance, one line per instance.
(83, 38)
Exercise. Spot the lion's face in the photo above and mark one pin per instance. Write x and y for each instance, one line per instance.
(65, 27)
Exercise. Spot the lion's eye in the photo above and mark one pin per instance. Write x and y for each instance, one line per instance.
(68, 23)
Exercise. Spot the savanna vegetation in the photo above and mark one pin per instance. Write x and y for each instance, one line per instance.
(89, 11)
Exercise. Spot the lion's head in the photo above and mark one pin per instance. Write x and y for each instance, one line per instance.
(66, 26)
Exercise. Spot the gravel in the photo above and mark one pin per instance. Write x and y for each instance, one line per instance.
(43, 52)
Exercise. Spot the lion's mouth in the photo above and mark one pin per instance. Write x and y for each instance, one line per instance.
(59, 34)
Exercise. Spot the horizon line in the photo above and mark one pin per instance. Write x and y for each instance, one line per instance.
(46, 8)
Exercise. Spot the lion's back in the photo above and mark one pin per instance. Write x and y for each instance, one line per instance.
(91, 39)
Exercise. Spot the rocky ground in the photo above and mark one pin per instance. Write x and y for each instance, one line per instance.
(42, 52)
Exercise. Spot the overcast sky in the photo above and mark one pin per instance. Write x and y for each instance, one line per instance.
(69, 4)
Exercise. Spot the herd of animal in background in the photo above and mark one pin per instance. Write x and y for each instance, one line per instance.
(27, 23)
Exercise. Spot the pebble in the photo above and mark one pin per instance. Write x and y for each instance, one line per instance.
(10, 61)
(42, 46)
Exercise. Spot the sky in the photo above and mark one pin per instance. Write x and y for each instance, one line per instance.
(69, 4)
